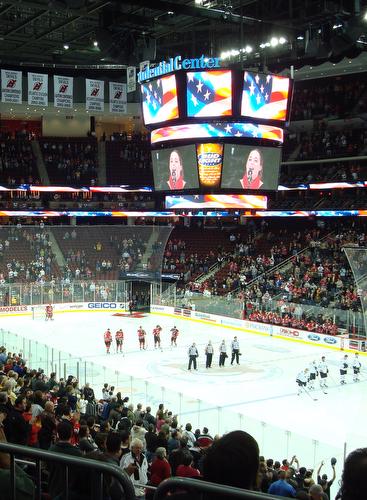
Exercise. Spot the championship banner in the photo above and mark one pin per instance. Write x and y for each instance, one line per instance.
(63, 91)
(131, 78)
(94, 95)
(37, 89)
(118, 97)
(11, 86)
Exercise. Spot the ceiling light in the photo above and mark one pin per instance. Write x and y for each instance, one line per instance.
(300, 37)
(365, 16)
(282, 40)
(262, 45)
(170, 12)
(274, 41)
(95, 43)
(248, 49)
(66, 46)
(336, 26)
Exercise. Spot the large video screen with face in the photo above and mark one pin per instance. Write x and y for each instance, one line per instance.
(159, 100)
(209, 93)
(175, 169)
(248, 167)
(265, 96)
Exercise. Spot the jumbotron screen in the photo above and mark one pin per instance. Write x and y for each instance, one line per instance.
(175, 169)
(265, 96)
(209, 93)
(159, 100)
(250, 167)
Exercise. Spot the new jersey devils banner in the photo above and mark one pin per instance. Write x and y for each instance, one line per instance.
(94, 95)
(118, 97)
(63, 91)
(37, 89)
(11, 86)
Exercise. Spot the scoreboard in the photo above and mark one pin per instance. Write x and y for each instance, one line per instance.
(216, 129)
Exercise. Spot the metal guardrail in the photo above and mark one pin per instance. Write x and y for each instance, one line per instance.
(68, 461)
(197, 485)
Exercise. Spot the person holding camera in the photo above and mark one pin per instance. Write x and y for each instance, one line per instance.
(323, 480)
(193, 354)
(135, 465)
(235, 346)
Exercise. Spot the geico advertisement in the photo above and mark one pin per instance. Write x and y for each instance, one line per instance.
(105, 305)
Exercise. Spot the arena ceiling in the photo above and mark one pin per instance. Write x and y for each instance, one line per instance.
(97, 32)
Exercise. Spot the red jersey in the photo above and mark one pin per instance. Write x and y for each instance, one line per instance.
(156, 331)
(107, 336)
(49, 309)
(141, 333)
(119, 335)
(174, 333)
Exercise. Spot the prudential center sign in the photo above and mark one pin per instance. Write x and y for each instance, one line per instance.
(177, 63)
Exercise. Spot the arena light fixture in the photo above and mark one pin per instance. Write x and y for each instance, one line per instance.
(274, 41)
(95, 43)
(248, 49)
(66, 46)
(282, 40)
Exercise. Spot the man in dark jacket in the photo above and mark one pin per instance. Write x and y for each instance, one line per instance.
(15, 427)
(57, 476)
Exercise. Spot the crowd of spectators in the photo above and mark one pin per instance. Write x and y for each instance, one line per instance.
(61, 416)
(323, 142)
(293, 175)
(33, 263)
(17, 163)
(337, 97)
(71, 162)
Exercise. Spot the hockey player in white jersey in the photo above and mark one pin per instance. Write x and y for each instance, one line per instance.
(313, 374)
(343, 368)
(302, 379)
(356, 367)
(323, 371)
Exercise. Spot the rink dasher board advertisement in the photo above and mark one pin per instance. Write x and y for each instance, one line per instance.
(292, 334)
(17, 310)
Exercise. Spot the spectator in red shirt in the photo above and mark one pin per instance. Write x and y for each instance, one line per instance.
(160, 468)
(186, 469)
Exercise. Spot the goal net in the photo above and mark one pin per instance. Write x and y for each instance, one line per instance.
(39, 312)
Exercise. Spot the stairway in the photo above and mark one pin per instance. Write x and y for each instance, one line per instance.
(154, 237)
(43, 175)
(102, 174)
(59, 256)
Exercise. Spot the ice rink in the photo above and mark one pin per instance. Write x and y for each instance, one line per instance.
(259, 395)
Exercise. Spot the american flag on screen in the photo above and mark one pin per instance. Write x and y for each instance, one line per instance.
(218, 129)
(209, 93)
(264, 96)
(159, 99)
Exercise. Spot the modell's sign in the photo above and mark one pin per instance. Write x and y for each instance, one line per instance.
(177, 63)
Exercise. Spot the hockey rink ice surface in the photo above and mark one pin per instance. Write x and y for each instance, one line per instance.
(259, 395)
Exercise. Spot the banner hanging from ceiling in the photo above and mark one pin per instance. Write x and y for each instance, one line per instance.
(11, 86)
(118, 97)
(131, 78)
(94, 95)
(63, 91)
(37, 89)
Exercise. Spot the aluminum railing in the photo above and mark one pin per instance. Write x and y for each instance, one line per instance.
(196, 486)
(69, 462)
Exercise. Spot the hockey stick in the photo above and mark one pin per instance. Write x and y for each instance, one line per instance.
(308, 394)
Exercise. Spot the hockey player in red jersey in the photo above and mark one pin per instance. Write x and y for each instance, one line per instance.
(174, 335)
(141, 337)
(107, 339)
(119, 337)
(49, 312)
(157, 336)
